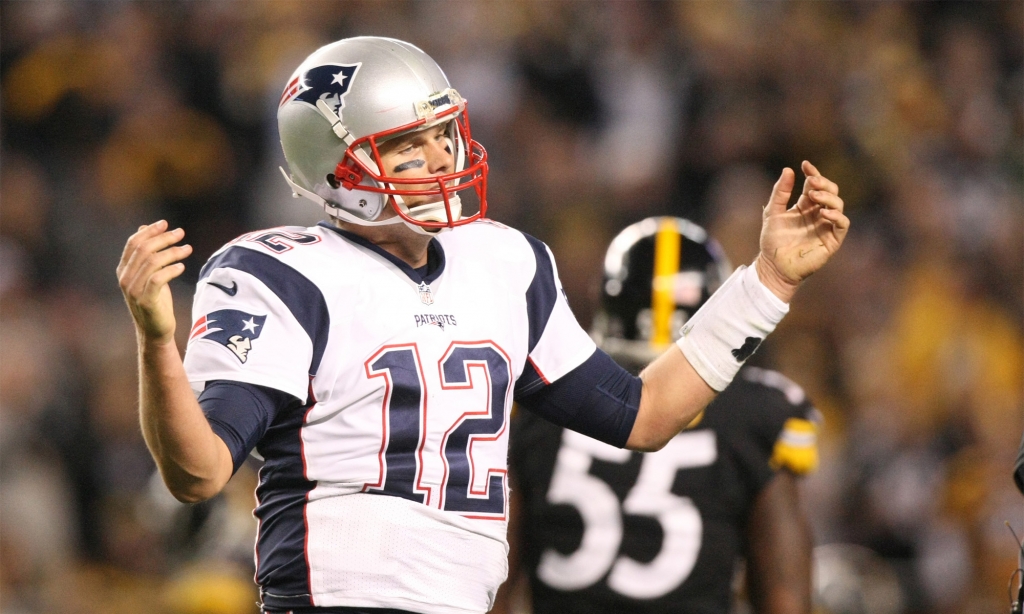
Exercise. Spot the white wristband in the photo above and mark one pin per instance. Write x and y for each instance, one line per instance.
(723, 333)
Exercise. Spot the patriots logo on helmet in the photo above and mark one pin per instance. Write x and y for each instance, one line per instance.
(235, 330)
(329, 83)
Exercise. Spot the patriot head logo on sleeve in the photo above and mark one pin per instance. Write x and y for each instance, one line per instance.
(235, 330)
(329, 82)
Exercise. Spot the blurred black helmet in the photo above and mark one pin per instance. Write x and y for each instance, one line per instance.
(657, 273)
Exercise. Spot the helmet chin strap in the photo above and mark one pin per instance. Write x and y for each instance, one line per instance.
(330, 209)
(430, 212)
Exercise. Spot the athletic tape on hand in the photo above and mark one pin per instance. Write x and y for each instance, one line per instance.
(724, 333)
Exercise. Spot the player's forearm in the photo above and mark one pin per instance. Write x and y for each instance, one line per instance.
(673, 395)
(193, 460)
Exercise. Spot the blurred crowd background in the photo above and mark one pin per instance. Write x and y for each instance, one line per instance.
(595, 114)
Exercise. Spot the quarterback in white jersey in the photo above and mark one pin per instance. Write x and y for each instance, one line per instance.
(372, 361)
(406, 383)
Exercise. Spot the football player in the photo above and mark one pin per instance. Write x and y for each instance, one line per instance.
(372, 360)
(601, 529)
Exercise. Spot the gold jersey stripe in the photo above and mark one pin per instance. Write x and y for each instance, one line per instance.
(796, 449)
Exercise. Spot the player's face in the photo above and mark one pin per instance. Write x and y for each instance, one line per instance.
(425, 153)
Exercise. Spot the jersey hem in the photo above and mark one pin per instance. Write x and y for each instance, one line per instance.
(274, 602)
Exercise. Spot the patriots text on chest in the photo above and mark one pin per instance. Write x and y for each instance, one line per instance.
(438, 320)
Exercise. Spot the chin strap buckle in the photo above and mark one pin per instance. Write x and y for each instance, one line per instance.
(348, 176)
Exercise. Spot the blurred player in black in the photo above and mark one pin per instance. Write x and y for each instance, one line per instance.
(600, 529)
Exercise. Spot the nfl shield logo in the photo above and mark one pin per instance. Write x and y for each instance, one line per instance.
(425, 296)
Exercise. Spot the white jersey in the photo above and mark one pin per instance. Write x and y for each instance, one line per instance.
(388, 488)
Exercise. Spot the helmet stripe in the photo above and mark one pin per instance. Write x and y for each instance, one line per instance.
(666, 265)
(290, 91)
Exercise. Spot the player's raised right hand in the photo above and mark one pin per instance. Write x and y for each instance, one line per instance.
(151, 260)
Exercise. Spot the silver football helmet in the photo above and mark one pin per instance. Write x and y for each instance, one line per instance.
(350, 96)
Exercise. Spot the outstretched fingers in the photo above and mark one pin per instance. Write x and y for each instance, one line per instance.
(135, 241)
(781, 193)
(150, 260)
(147, 253)
(816, 179)
(152, 269)
(827, 207)
(149, 241)
(840, 223)
(825, 199)
(809, 169)
(159, 279)
(818, 190)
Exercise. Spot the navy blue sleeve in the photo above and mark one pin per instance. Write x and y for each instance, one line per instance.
(599, 399)
(241, 413)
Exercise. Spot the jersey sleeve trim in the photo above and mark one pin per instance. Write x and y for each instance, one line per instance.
(530, 381)
(302, 297)
(536, 369)
(542, 293)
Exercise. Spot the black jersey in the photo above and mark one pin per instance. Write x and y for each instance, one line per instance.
(610, 530)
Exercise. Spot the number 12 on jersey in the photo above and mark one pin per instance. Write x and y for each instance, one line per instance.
(404, 450)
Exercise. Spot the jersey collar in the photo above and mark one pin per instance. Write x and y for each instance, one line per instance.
(427, 274)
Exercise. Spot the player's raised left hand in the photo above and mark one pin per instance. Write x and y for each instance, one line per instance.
(797, 241)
